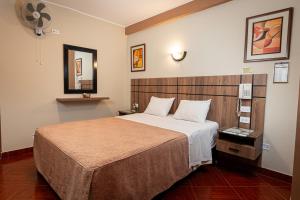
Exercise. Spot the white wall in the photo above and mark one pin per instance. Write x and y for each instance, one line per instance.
(28, 90)
(214, 40)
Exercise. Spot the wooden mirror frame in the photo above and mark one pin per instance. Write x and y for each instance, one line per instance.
(66, 69)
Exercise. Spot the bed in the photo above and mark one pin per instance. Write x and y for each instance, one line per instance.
(130, 157)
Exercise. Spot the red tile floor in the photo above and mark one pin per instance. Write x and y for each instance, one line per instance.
(19, 180)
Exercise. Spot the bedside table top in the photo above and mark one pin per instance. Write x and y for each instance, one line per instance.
(255, 134)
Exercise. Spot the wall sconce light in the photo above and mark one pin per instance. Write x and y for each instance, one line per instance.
(178, 55)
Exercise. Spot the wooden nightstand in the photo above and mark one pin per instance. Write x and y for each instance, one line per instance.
(125, 112)
(249, 147)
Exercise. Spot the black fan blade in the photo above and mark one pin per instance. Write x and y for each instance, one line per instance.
(40, 23)
(30, 18)
(30, 7)
(40, 7)
(46, 15)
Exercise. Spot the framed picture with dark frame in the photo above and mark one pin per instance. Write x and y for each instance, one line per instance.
(138, 58)
(78, 63)
(268, 36)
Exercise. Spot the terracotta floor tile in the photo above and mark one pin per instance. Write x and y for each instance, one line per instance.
(21, 172)
(207, 176)
(274, 181)
(243, 179)
(215, 193)
(36, 193)
(258, 193)
(283, 191)
(7, 191)
(177, 193)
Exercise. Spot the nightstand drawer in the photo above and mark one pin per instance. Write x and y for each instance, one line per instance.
(240, 150)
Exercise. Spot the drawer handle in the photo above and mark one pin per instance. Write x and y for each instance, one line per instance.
(234, 150)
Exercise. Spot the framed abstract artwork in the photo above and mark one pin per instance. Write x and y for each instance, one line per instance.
(78, 63)
(268, 36)
(138, 59)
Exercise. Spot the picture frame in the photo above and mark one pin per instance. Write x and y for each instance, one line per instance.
(268, 36)
(138, 58)
(281, 72)
(78, 63)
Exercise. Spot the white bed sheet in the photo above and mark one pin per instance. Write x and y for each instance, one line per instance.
(201, 136)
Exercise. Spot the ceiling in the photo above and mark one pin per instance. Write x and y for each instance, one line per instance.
(121, 12)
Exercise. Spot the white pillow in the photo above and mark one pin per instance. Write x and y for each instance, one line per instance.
(159, 106)
(195, 111)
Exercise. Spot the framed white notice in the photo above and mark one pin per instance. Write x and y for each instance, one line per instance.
(281, 72)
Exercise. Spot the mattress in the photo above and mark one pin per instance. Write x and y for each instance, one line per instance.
(201, 136)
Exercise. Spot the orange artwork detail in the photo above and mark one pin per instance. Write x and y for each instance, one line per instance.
(138, 58)
(267, 37)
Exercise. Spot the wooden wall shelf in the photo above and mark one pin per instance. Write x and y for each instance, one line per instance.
(81, 99)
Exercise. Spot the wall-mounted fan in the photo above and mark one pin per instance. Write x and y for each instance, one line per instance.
(36, 16)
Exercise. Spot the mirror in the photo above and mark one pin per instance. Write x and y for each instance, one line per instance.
(80, 70)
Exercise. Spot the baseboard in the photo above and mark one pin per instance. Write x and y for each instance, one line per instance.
(17, 153)
(278, 175)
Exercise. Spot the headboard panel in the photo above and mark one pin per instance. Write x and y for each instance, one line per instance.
(222, 90)
(143, 89)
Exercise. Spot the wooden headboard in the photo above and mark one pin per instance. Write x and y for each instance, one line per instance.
(222, 90)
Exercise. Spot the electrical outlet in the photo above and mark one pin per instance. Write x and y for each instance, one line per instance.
(245, 120)
(246, 109)
(266, 146)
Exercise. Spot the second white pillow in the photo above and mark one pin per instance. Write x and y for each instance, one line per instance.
(195, 111)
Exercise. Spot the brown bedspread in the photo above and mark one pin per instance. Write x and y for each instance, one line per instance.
(110, 158)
